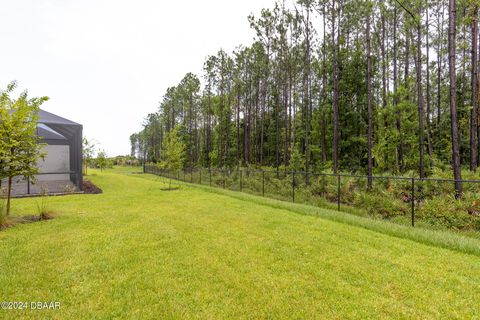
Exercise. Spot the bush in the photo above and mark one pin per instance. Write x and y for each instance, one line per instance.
(460, 214)
(379, 203)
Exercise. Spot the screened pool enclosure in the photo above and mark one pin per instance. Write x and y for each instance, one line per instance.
(61, 169)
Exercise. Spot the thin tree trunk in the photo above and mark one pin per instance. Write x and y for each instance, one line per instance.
(453, 98)
(264, 101)
(384, 73)
(308, 99)
(478, 99)
(369, 102)
(473, 116)
(277, 131)
(439, 65)
(336, 136)
(395, 93)
(9, 195)
(407, 62)
(324, 87)
(429, 130)
(238, 128)
(285, 123)
(418, 66)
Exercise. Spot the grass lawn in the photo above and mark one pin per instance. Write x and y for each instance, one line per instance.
(137, 252)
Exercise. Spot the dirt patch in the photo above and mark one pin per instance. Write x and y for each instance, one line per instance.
(13, 221)
(90, 188)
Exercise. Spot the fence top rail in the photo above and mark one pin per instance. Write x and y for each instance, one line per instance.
(66, 172)
(346, 175)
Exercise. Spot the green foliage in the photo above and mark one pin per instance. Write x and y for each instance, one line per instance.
(102, 162)
(19, 147)
(379, 203)
(297, 160)
(125, 161)
(174, 150)
(461, 214)
(88, 149)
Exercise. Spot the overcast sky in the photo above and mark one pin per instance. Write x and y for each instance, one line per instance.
(106, 63)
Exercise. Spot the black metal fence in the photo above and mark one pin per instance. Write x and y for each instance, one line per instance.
(397, 198)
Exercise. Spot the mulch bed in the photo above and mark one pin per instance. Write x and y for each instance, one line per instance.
(12, 221)
(90, 188)
(170, 189)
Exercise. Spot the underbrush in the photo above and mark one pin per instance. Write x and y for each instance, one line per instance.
(460, 214)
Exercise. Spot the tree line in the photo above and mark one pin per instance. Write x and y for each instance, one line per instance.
(380, 86)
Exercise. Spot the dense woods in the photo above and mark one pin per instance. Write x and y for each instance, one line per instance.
(385, 86)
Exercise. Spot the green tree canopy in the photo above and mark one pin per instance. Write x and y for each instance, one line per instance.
(19, 147)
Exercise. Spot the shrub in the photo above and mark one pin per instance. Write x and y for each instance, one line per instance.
(460, 214)
(42, 204)
(379, 203)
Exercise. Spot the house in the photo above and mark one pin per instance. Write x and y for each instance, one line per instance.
(61, 169)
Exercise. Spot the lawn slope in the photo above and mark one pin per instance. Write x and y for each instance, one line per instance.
(139, 252)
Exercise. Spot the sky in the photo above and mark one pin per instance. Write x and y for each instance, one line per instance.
(107, 63)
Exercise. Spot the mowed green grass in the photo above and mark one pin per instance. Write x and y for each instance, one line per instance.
(137, 252)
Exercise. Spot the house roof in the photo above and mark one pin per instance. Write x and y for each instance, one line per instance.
(50, 118)
(47, 133)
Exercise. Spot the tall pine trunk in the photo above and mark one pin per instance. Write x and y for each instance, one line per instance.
(428, 114)
(473, 115)
(336, 135)
(308, 98)
(369, 107)
(398, 123)
(324, 88)
(453, 98)
(418, 67)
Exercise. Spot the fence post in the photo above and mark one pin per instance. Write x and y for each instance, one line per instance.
(240, 180)
(338, 192)
(191, 175)
(210, 173)
(263, 183)
(293, 186)
(200, 175)
(224, 177)
(28, 185)
(412, 201)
